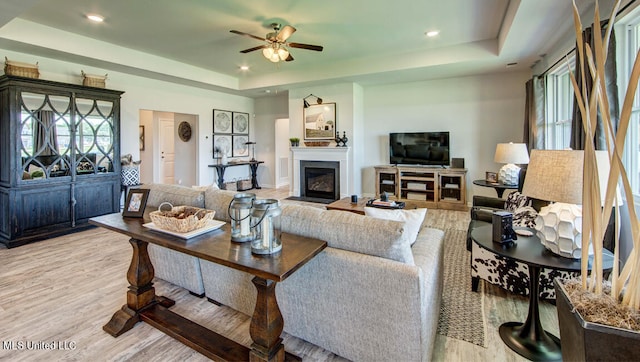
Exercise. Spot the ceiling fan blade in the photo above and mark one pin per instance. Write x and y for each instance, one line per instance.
(317, 48)
(285, 33)
(289, 58)
(249, 35)
(254, 48)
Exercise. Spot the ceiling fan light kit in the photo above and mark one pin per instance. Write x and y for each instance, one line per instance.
(276, 42)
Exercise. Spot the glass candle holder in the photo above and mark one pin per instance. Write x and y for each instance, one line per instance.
(240, 215)
(265, 225)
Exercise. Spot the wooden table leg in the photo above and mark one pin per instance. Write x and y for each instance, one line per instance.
(266, 324)
(141, 292)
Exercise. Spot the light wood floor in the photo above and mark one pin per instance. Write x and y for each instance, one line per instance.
(64, 289)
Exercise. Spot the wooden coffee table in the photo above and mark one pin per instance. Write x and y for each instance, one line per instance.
(215, 246)
(345, 204)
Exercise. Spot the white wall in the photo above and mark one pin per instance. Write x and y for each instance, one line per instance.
(478, 111)
(349, 119)
(146, 155)
(267, 110)
(144, 93)
(185, 166)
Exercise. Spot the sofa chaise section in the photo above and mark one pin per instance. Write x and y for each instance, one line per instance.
(368, 296)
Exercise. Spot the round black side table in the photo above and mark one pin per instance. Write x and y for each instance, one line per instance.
(497, 186)
(529, 339)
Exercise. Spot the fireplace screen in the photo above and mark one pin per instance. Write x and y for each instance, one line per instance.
(320, 180)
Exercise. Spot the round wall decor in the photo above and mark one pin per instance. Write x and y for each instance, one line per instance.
(184, 131)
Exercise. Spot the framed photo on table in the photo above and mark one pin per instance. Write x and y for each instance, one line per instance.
(222, 121)
(320, 121)
(136, 203)
(240, 123)
(491, 177)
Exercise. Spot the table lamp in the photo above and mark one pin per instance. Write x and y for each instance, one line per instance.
(252, 145)
(557, 176)
(510, 154)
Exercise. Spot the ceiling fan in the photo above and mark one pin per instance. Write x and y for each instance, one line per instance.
(276, 45)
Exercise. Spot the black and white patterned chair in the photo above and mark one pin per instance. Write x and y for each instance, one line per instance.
(495, 269)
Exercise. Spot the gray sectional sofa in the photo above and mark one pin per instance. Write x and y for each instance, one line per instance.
(369, 296)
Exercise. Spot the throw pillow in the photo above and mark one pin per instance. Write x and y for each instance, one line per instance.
(525, 217)
(516, 200)
(349, 231)
(412, 218)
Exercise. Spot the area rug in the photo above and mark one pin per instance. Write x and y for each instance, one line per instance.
(461, 311)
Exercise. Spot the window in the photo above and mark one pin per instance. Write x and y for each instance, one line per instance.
(559, 106)
(627, 49)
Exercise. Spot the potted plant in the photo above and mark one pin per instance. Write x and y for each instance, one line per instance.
(295, 141)
(37, 174)
(587, 308)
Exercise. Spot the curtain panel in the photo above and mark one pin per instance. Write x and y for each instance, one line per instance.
(578, 136)
(45, 134)
(534, 114)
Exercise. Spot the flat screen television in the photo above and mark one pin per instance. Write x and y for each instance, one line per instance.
(419, 148)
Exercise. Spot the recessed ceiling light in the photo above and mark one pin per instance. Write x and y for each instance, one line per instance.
(432, 33)
(244, 67)
(95, 18)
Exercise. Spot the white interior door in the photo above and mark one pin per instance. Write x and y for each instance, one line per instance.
(167, 152)
(282, 152)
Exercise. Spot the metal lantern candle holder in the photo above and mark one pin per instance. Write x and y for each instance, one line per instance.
(240, 215)
(265, 225)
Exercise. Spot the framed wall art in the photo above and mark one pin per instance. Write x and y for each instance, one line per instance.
(320, 122)
(240, 147)
(223, 142)
(240, 123)
(222, 121)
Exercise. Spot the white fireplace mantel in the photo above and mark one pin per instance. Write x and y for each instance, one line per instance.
(337, 154)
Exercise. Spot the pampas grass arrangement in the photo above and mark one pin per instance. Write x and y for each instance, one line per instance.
(625, 281)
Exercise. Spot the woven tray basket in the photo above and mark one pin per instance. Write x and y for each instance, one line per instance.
(181, 219)
(21, 69)
(91, 80)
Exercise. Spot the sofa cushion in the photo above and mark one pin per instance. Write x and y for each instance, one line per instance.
(349, 231)
(218, 201)
(174, 194)
(412, 218)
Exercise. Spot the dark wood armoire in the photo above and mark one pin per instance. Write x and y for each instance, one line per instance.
(59, 157)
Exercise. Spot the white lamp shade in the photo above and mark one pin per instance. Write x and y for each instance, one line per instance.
(555, 175)
(511, 153)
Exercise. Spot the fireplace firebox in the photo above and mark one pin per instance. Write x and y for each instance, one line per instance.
(320, 180)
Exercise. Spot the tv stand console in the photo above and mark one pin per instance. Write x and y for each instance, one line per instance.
(433, 187)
